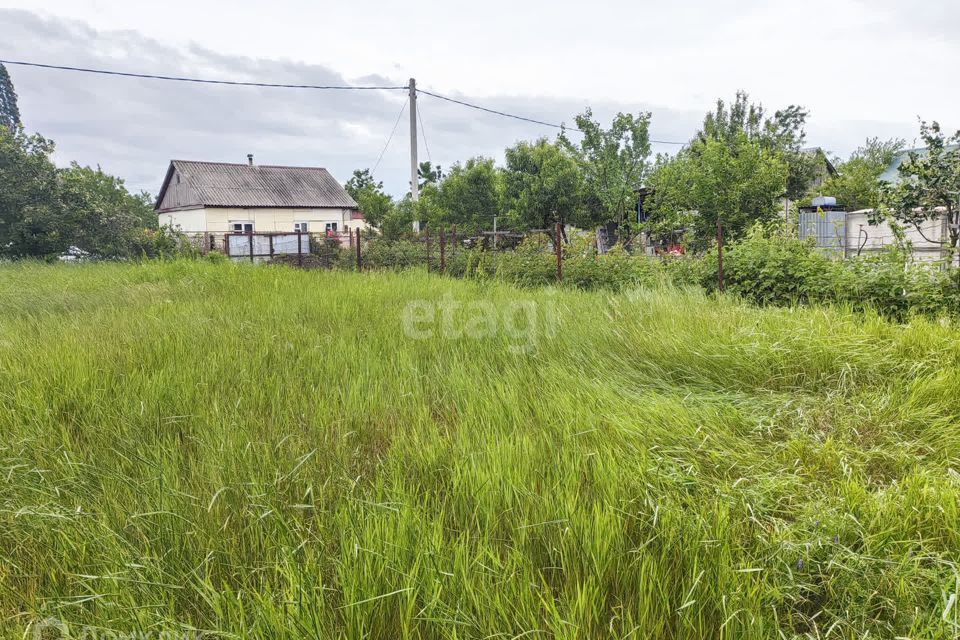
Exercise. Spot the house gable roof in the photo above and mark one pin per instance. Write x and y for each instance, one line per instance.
(818, 152)
(222, 184)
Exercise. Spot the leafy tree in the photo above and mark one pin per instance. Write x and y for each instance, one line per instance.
(45, 211)
(541, 184)
(735, 169)
(782, 133)
(429, 174)
(612, 163)
(30, 213)
(429, 208)
(736, 180)
(374, 203)
(930, 183)
(102, 217)
(9, 111)
(857, 181)
(398, 221)
(471, 193)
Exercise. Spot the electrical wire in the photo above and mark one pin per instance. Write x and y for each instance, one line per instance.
(403, 108)
(494, 111)
(236, 83)
(274, 85)
(423, 133)
(516, 117)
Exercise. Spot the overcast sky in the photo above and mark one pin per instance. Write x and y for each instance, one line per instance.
(862, 67)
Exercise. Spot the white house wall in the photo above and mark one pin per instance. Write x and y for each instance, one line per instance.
(187, 220)
(269, 220)
(265, 220)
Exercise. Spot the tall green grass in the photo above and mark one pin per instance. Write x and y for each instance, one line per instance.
(261, 452)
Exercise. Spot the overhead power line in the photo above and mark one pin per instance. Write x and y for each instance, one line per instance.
(276, 85)
(494, 111)
(423, 134)
(403, 107)
(235, 83)
(523, 118)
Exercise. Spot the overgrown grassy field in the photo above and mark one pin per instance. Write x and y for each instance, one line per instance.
(261, 452)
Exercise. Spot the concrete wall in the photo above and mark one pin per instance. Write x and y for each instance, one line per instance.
(872, 238)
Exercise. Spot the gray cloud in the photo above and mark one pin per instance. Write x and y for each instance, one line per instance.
(133, 127)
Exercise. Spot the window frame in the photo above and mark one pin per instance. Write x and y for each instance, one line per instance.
(243, 226)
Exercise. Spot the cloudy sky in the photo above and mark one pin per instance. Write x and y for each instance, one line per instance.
(862, 67)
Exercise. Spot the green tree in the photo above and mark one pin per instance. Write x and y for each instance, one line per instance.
(45, 211)
(929, 183)
(857, 181)
(735, 180)
(783, 133)
(373, 202)
(429, 173)
(30, 212)
(398, 221)
(101, 216)
(429, 208)
(471, 193)
(541, 185)
(9, 111)
(612, 163)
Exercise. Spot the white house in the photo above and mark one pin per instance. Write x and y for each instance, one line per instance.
(214, 198)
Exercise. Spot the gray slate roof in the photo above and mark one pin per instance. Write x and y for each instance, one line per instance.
(222, 184)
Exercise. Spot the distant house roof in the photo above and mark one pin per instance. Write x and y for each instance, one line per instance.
(818, 152)
(892, 173)
(222, 184)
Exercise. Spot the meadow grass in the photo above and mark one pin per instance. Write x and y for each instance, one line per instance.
(261, 452)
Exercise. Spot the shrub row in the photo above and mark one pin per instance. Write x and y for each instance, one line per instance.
(771, 269)
(763, 268)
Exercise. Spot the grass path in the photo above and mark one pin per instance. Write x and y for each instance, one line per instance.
(261, 452)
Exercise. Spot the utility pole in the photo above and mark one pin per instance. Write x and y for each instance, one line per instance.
(414, 178)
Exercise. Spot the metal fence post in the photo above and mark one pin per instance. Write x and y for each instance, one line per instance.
(299, 247)
(428, 249)
(719, 254)
(251, 246)
(443, 261)
(559, 255)
(359, 263)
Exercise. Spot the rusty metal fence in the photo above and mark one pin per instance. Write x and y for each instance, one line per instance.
(359, 249)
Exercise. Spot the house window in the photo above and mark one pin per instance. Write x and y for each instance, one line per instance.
(331, 228)
(301, 227)
(241, 226)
